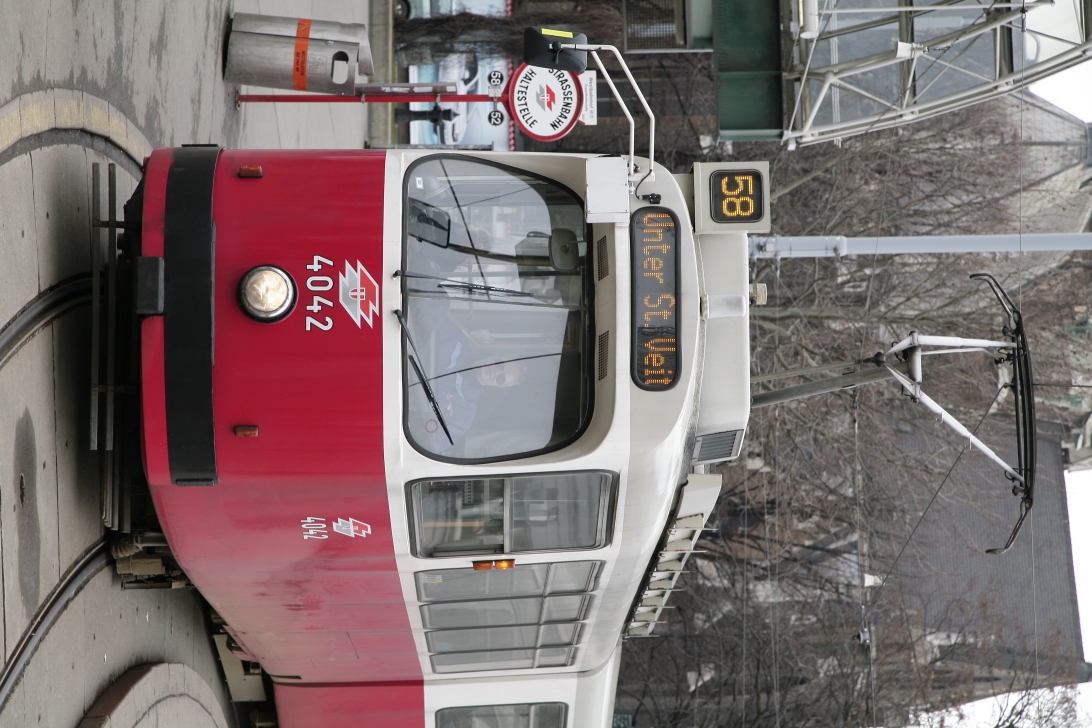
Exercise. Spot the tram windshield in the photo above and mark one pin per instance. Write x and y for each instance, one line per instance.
(497, 314)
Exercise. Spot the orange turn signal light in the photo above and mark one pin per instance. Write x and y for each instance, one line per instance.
(250, 170)
(498, 564)
(246, 430)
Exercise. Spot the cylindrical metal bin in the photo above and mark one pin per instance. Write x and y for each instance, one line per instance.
(297, 53)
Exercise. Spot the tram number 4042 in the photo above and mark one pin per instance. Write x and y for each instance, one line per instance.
(319, 284)
(314, 528)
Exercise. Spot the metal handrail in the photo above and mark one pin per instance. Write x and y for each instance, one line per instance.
(592, 48)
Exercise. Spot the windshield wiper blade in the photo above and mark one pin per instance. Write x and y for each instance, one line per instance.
(448, 283)
(421, 375)
(480, 287)
(529, 260)
(431, 397)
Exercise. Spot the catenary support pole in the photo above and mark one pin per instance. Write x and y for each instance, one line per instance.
(836, 246)
(868, 374)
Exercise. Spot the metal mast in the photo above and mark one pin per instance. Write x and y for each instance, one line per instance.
(863, 65)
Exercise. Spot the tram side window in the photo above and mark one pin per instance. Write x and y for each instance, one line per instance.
(536, 715)
(471, 628)
(497, 312)
(523, 580)
(518, 514)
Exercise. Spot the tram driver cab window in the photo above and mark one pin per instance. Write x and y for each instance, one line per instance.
(511, 515)
(497, 320)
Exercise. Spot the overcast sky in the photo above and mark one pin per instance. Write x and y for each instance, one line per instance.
(1071, 90)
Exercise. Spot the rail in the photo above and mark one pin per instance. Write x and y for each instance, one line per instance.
(82, 570)
(42, 310)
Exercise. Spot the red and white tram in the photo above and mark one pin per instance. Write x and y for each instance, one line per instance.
(427, 430)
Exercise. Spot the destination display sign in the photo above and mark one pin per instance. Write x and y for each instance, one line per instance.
(654, 234)
(736, 195)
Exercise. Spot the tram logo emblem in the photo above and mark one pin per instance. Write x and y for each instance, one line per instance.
(358, 293)
(547, 97)
(352, 528)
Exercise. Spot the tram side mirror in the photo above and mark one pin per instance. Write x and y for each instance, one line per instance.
(427, 223)
(542, 48)
(564, 250)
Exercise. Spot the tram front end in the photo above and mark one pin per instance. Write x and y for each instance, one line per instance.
(426, 429)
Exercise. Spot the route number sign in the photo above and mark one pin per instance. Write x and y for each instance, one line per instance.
(731, 197)
(736, 195)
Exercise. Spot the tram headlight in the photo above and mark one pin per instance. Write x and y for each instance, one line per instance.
(267, 294)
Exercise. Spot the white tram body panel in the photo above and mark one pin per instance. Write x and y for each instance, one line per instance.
(646, 438)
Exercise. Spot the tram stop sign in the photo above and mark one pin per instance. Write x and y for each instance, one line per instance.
(544, 103)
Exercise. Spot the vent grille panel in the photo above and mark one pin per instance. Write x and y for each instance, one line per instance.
(602, 266)
(718, 446)
(604, 351)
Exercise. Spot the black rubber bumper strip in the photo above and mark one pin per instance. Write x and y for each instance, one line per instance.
(189, 242)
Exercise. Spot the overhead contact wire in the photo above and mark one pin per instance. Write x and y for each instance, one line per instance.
(929, 505)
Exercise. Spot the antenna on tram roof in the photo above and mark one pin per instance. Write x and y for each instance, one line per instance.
(564, 50)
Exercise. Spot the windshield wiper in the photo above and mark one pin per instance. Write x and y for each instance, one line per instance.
(448, 283)
(480, 287)
(494, 363)
(528, 260)
(421, 375)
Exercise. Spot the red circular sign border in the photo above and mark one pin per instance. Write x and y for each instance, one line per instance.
(511, 103)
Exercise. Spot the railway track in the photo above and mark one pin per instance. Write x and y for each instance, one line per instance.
(42, 310)
(79, 573)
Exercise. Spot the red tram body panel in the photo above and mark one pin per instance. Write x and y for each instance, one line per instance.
(319, 452)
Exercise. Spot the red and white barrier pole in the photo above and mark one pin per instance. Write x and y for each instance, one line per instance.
(363, 98)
